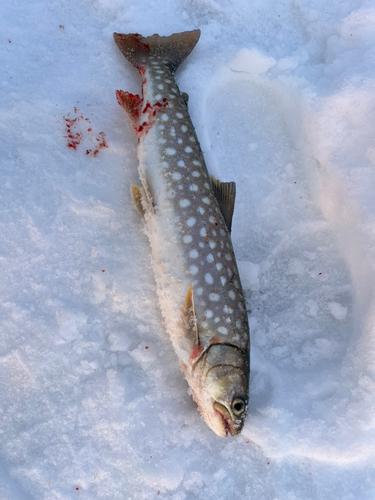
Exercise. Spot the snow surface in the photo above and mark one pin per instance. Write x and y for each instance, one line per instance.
(92, 402)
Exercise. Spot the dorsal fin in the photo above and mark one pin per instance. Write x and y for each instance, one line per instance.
(190, 316)
(185, 98)
(225, 193)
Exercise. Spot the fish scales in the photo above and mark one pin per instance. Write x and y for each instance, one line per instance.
(198, 283)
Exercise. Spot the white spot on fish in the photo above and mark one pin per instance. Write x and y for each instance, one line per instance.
(208, 313)
(201, 210)
(170, 151)
(184, 203)
(240, 306)
(222, 232)
(193, 187)
(219, 266)
(157, 77)
(161, 127)
(201, 245)
(171, 96)
(238, 324)
(231, 294)
(193, 269)
(158, 97)
(228, 256)
(197, 163)
(179, 141)
(192, 138)
(222, 330)
(187, 238)
(179, 115)
(223, 280)
(181, 163)
(160, 72)
(208, 278)
(188, 149)
(212, 219)
(162, 141)
(210, 258)
(184, 129)
(196, 174)
(167, 81)
(190, 222)
(202, 232)
(228, 320)
(160, 86)
(164, 117)
(212, 245)
(199, 291)
(176, 176)
(164, 164)
(217, 319)
(206, 185)
(171, 193)
(193, 254)
(173, 132)
(206, 200)
(227, 309)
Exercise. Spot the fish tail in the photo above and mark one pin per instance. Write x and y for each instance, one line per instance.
(174, 48)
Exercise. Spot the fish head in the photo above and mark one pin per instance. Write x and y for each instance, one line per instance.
(228, 399)
(222, 392)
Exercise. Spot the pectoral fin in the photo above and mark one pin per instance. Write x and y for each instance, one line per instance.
(225, 193)
(190, 319)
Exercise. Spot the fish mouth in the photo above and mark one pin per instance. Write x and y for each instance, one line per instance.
(227, 420)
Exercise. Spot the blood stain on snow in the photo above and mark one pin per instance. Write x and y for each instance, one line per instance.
(75, 133)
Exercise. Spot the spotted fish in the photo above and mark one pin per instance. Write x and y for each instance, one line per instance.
(187, 216)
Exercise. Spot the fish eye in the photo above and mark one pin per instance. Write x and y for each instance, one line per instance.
(238, 406)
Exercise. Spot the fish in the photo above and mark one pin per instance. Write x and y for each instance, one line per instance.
(187, 216)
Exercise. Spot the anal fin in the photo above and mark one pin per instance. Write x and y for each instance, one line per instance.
(131, 104)
(225, 193)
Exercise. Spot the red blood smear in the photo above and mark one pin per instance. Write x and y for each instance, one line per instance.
(88, 151)
(89, 129)
(103, 142)
(95, 153)
(197, 349)
(146, 347)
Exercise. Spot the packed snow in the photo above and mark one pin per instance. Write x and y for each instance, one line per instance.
(92, 402)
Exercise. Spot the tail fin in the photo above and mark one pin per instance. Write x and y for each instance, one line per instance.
(174, 48)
